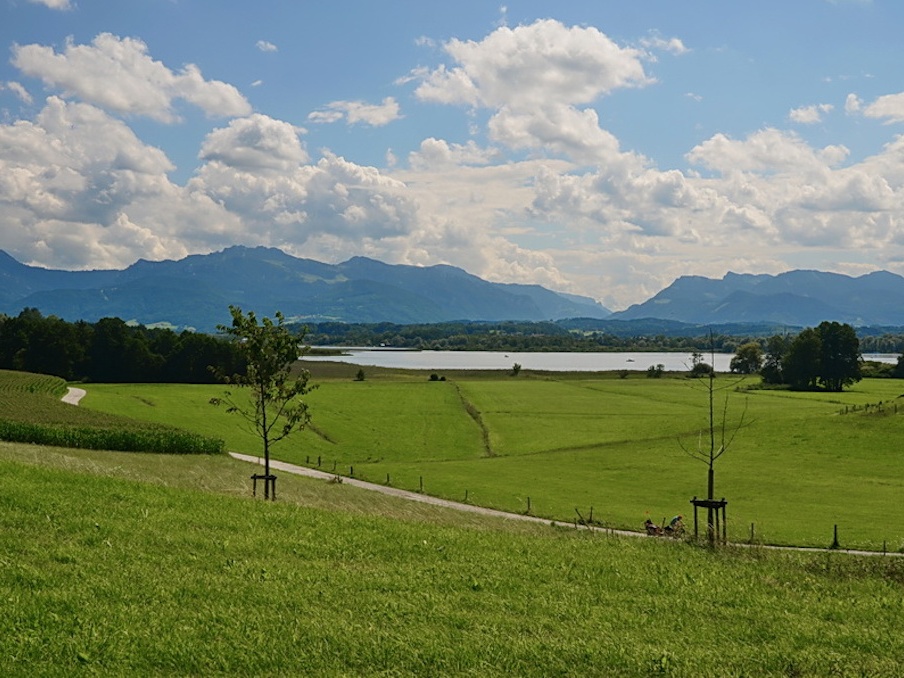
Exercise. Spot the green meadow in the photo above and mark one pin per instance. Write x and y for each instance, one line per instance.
(564, 445)
(122, 563)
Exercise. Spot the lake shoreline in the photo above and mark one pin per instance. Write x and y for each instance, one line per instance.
(551, 361)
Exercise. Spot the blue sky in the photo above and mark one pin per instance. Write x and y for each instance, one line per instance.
(596, 147)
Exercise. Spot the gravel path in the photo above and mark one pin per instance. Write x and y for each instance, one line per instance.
(74, 395)
(405, 494)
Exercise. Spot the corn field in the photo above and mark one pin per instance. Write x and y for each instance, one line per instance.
(31, 412)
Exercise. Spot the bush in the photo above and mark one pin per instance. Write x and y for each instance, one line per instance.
(701, 370)
(156, 439)
(876, 370)
(655, 371)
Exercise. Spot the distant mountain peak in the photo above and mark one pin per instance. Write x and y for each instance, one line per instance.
(266, 279)
(799, 297)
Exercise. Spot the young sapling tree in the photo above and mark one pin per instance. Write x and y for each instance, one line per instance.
(720, 438)
(274, 408)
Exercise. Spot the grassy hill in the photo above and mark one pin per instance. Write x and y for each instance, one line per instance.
(123, 564)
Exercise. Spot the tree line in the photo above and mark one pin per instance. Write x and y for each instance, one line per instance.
(111, 350)
(561, 335)
(505, 336)
(824, 357)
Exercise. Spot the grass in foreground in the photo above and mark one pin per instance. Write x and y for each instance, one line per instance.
(110, 576)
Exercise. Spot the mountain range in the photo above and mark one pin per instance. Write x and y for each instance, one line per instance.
(794, 298)
(195, 292)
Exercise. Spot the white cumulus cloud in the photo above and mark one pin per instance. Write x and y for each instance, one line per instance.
(657, 42)
(53, 4)
(359, 112)
(852, 104)
(890, 107)
(808, 115)
(438, 152)
(535, 78)
(769, 150)
(78, 189)
(257, 168)
(255, 142)
(119, 75)
(530, 65)
(538, 191)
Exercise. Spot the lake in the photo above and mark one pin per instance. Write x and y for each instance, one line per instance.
(552, 362)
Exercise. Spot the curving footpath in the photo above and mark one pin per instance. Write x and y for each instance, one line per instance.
(404, 494)
(74, 395)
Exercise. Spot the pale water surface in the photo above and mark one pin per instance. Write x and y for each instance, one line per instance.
(553, 361)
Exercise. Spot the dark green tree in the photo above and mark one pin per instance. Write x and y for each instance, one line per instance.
(32, 343)
(748, 359)
(776, 349)
(119, 353)
(189, 355)
(826, 356)
(899, 368)
(801, 364)
(274, 408)
(839, 359)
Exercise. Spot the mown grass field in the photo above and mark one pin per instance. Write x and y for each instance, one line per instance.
(143, 564)
(569, 442)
